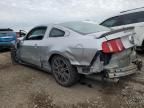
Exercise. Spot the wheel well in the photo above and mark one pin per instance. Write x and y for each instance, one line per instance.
(50, 59)
(53, 55)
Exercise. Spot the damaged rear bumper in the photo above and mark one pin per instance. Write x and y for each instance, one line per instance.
(113, 66)
(116, 73)
(113, 72)
(120, 72)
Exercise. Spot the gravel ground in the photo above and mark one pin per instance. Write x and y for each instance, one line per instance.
(25, 87)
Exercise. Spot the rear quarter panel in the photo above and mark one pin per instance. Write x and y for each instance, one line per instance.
(79, 50)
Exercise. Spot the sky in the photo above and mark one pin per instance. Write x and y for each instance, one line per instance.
(25, 14)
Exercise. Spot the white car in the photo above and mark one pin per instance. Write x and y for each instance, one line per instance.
(72, 48)
(134, 17)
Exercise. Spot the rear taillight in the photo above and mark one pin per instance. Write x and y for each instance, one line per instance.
(112, 46)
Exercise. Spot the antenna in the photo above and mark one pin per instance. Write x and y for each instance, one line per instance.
(131, 9)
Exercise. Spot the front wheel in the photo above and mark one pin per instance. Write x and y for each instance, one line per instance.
(14, 57)
(64, 73)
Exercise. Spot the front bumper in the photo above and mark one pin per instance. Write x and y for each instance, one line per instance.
(121, 72)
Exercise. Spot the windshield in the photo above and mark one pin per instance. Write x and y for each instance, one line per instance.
(84, 27)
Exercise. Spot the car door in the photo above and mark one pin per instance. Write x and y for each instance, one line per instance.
(30, 49)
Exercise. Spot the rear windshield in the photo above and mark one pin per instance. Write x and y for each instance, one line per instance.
(2, 34)
(84, 27)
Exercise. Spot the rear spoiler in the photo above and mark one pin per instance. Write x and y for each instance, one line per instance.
(116, 31)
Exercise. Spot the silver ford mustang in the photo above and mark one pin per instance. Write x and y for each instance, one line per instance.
(80, 47)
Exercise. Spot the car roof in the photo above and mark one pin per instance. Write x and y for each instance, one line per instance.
(132, 10)
(60, 24)
(84, 21)
(123, 13)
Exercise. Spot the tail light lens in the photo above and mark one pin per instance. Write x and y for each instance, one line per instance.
(112, 46)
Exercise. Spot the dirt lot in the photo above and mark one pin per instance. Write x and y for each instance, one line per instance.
(25, 87)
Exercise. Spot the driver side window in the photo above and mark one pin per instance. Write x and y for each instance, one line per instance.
(36, 34)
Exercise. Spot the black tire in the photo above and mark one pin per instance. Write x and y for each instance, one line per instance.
(140, 51)
(14, 57)
(64, 73)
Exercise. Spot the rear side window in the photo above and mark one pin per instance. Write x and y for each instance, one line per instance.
(115, 21)
(56, 33)
(7, 34)
(133, 18)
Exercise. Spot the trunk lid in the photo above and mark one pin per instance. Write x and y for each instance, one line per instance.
(126, 35)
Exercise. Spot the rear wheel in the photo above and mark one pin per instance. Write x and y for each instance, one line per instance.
(64, 73)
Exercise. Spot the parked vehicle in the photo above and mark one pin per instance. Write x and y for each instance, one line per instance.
(80, 47)
(133, 17)
(7, 38)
